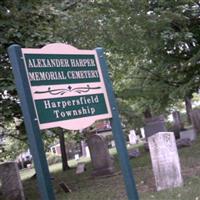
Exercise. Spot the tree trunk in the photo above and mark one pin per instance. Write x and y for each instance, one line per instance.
(147, 113)
(188, 107)
(65, 165)
(177, 124)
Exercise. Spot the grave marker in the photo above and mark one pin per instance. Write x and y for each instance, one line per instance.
(101, 159)
(132, 137)
(112, 143)
(80, 168)
(12, 188)
(190, 134)
(165, 160)
(87, 152)
(154, 125)
(142, 133)
(83, 146)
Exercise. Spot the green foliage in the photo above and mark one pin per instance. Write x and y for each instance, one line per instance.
(14, 144)
(30, 24)
(53, 159)
(152, 47)
(177, 44)
(162, 70)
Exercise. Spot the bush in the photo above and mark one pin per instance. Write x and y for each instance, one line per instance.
(53, 159)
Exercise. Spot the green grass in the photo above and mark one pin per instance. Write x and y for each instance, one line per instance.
(86, 187)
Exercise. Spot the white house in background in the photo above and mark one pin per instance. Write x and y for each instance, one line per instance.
(72, 148)
(55, 149)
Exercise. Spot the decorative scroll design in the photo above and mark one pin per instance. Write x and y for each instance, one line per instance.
(68, 89)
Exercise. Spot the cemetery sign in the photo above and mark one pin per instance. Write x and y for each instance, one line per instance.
(62, 86)
(67, 86)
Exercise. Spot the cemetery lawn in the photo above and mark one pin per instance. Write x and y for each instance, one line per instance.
(85, 187)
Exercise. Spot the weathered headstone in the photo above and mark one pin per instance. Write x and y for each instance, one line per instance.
(154, 125)
(142, 133)
(177, 124)
(112, 143)
(195, 117)
(133, 153)
(101, 159)
(12, 188)
(132, 137)
(80, 168)
(190, 134)
(76, 157)
(83, 145)
(87, 152)
(165, 160)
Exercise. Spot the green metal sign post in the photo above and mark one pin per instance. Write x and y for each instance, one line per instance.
(118, 132)
(31, 124)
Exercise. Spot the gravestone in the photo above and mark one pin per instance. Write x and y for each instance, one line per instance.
(142, 133)
(101, 159)
(188, 134)
(87, 152)
(195, 117)
(132, 137)
(165, 160)
(83, 150)
(177, 124)
(112, 143)
(80, 168)
(154, 125)
(10, 179)
(133, 153)
(76, 157)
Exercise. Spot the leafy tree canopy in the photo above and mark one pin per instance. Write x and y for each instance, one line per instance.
(152, 46)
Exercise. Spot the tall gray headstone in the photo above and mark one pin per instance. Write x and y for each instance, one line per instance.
(165, 160)
(10, 179)
(101, 159)
(154, 125)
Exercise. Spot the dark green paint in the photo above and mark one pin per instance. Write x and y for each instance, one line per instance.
(31, 124)
(118, 132)
(64, 70)
(48, 114)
